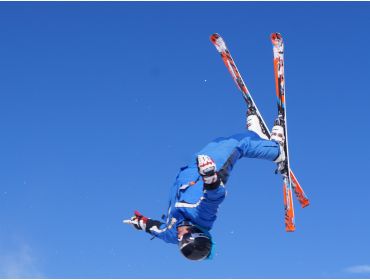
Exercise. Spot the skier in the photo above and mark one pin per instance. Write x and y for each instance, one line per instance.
(199, 188)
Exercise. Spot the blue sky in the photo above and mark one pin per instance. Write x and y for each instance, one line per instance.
(92, 94)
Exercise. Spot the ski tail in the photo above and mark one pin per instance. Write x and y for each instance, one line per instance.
(288, 206)
(299, 192)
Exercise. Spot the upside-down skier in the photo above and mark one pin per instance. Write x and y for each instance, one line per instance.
(199, 188)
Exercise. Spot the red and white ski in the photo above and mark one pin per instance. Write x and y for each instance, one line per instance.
(283, 167)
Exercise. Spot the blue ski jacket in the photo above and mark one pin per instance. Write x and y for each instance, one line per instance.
(189, 202)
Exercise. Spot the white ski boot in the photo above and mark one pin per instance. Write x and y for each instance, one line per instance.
(277, 134)
(254, 124)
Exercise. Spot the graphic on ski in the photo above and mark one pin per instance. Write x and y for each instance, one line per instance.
(283, 167)
(299, 192)
(221, 47)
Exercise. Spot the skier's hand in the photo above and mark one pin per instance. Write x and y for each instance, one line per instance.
(138, 221)
(207, 169)
(206, 165)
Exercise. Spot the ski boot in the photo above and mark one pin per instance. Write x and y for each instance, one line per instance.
(254, 123)
(277, 135)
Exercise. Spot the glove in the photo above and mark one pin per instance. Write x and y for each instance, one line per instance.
(138, 221)
(207, 169)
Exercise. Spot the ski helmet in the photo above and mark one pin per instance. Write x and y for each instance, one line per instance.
(195, 244)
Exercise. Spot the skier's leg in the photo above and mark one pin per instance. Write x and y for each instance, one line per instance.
(254, 123)
(255, 147)
(248, 144)
(226, 151)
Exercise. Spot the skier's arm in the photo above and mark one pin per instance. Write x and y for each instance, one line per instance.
(140, 222)
(212, 198)
(167, 233)
(214, 191)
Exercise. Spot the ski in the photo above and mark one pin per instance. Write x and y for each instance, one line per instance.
(221, 47)
(283, 167)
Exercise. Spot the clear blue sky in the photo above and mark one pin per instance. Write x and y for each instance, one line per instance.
(93, 93)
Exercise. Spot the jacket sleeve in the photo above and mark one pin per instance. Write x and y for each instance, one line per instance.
(208, 206)
(168, 235)
(167, 231)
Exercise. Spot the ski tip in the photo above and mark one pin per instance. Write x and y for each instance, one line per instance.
(276, 38)
(218, 42)
(214, 37)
